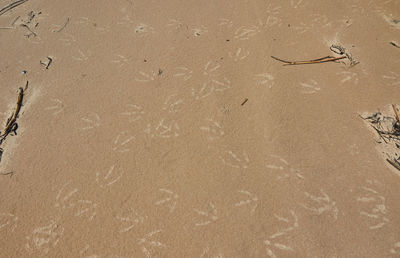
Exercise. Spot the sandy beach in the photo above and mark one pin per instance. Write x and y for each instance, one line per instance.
(165, 129)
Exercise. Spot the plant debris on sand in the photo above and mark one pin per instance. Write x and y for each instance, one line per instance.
(12, 125)
(388, 130)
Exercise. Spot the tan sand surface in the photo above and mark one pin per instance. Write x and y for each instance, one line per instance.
(136, 141)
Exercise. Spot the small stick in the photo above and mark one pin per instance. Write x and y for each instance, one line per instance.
(314, 61)
(394, 44)
(13, 118)
(397, 114)
(380, 134)
(244, 102)
(11, 6)
(49, 63)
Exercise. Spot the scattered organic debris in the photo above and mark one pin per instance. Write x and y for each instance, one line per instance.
(388, 130)
(63, 27)
(11, 6)
(30, 23)
(337, 49)
(244, 102)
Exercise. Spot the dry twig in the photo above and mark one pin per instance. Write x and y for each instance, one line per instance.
(11, 123)
(314, 61)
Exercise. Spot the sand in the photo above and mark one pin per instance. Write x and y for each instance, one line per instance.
(136, 141)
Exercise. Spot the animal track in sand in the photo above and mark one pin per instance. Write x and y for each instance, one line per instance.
(284, 169)
(109, 178)
(264, 79)
(81, 57)
(126, 20)
(234, 160)
(8, 222)
(119, 60)
(169, 201)
(348, 76)
(316, 21)
(164, 129)
(44, 238)
(373, 204)
(83, 252)
(67, 39)
(134, 112)
(183, 72)
(148, 245)
(68, 200)
(57, 108)
(92, 121)
(310, 88)
(122, 142)
(225, 22)
(207, 217)
(297, 3)
(321, 204)
(129, 219)
(271, 243)
(239, 55)
(173, 103)
(210, 87)
(252, 201)
(213, 82)
(174, 24)
(392, 78)
(207, 254)
(145, 77)
(395, 249)
(212, 129)
(246, 32)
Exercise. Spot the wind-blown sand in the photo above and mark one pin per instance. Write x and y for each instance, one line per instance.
(135, 143)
